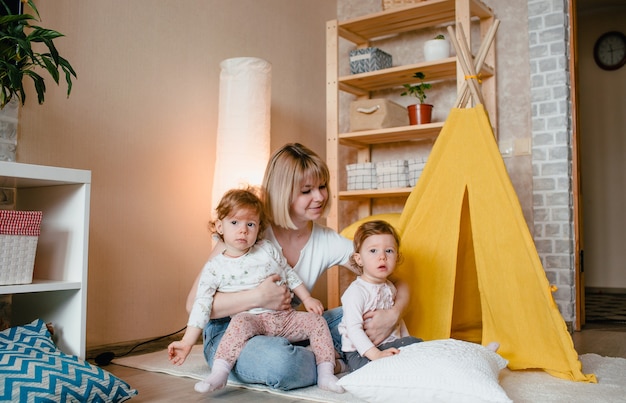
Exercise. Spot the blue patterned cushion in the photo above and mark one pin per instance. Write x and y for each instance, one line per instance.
(33, 369)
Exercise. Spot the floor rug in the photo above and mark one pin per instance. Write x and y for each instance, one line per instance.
(520, 386)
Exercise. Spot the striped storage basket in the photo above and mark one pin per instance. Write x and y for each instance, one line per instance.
(19, 233)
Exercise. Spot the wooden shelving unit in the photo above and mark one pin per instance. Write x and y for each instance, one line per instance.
(362, 32)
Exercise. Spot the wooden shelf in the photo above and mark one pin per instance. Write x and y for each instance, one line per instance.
(361, 84)
(430, 13)
(40, 286)
(58, 292)
(391, 135)
(374, 193)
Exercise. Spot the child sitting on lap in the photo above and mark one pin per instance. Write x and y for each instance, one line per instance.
(244, 264)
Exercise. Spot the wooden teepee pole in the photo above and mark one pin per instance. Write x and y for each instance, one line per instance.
(470, 69)
(464, 58)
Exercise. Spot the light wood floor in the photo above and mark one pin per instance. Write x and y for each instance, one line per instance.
(605, 340)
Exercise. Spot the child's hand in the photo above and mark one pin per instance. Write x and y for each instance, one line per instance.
(376, 354)
(178, 352)
(313, 305)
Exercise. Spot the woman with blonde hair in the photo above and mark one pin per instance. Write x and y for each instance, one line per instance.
(296, 196)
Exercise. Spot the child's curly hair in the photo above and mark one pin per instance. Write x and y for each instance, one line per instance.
(369, 228)
(240, 199)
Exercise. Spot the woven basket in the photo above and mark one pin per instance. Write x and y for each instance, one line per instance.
(392, 174)
(387, 4)
(19, 233)
(361, 176)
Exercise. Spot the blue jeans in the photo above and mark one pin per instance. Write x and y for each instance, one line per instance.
(272, 361)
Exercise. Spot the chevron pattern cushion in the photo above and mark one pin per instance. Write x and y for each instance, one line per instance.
(33, 369)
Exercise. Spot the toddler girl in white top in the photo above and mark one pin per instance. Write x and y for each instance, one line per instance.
(376, 253)
(245, 263)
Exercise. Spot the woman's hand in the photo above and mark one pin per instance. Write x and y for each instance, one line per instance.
(379, 324)
(273, 296)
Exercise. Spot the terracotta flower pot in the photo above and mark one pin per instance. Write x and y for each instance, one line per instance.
(420, 113)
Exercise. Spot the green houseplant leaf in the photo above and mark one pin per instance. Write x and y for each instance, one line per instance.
(417, 90)
(18, 59)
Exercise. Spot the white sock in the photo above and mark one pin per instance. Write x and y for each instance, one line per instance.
(217, 379)
(326, 378)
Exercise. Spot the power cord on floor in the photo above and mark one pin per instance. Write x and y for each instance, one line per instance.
(105, 358)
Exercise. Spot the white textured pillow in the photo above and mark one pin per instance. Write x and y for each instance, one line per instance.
(433, 371)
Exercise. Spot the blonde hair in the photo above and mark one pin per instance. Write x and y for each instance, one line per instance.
(240, 199)
(369, 228)
(289, 167)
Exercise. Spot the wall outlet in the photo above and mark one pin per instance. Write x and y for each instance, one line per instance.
(522, 146)
(506, 147)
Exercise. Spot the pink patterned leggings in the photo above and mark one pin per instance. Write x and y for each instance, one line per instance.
(291, 324)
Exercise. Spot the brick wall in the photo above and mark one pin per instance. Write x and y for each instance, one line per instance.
(548, 32)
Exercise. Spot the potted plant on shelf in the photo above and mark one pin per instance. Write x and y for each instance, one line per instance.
(437, 48)
(418, 113)
(18, 58)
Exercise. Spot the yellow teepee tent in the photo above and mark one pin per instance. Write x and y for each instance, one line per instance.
(469, 259)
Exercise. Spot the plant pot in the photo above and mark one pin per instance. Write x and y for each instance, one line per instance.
(420, 113)
(436, 49)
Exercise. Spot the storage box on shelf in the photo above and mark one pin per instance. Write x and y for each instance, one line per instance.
(372, 114)
(361, 176)
(392, 174)
(362, 31)
(416, 166)
(369, 59)
(58, 291)
(19, 233)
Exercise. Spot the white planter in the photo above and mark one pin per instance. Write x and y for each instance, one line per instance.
(436, 49)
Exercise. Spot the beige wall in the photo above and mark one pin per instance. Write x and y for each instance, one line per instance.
(603, 149)
(143, 116)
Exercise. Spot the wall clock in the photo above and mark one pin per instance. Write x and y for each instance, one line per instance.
(609, 51)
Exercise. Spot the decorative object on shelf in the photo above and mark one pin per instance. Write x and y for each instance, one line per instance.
(361, 176)
(19, 233)
(368, 59)
(418, 113)
(416, 166)
(392, 174)
(387, 4)
(243, 128)
(18, 58)
(371, 114)
(437, 48)
(609, 51)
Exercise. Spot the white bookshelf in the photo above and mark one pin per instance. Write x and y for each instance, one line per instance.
(58, 293)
